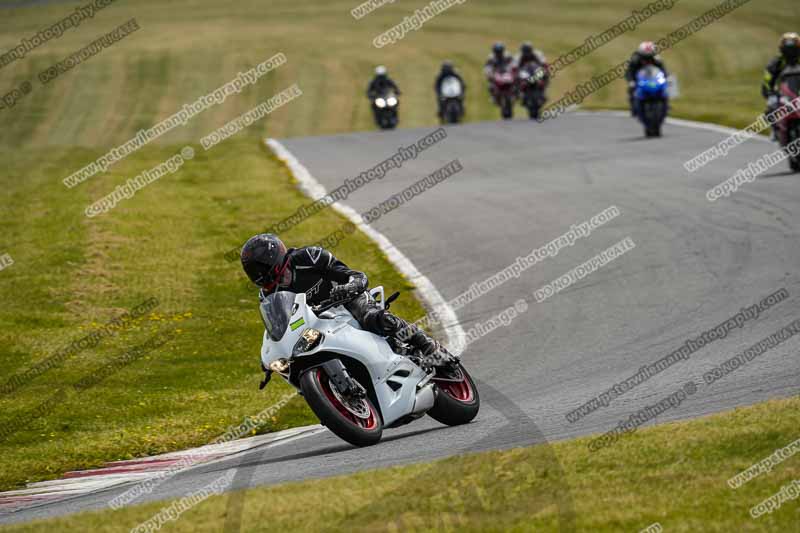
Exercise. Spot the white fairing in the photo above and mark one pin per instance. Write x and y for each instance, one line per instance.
(451, 87)
(344, 336)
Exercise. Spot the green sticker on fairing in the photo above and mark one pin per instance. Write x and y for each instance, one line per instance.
(297, 324)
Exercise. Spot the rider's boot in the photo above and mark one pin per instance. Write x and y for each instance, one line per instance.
(433, 353)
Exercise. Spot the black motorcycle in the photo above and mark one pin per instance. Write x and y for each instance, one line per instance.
(532, 89)
(384, 107)
(451, 98)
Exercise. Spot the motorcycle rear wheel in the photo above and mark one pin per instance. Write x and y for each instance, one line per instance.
(457, 402)
(332, 412)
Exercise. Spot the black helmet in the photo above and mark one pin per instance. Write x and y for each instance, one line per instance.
(447, 67)
(264, 260)
(526, 49)
(790, 47)
(499, 49)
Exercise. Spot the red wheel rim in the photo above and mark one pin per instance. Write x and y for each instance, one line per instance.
(369, 423)
(458, 390)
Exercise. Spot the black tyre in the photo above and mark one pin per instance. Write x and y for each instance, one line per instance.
(794, 163)
(653, 114)
(457, 400)
(533, 103)
(364, 429)
(507, 108)
(452, 113)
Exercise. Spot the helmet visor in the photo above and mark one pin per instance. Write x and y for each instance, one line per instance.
(275, 277)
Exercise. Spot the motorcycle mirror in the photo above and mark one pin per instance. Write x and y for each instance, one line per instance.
(265, 381)
(391, 298)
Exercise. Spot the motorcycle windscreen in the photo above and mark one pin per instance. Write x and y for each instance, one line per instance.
(451, 87)
(276, 310)
(652, 75)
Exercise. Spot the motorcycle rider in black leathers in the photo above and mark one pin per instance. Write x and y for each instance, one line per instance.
(448, 71)
(527, 55)
(317, 273)
(645, 55)
(790, 50)
(380, 85)
(499, 59)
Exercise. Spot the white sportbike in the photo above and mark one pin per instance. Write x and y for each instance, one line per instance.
(356, 382)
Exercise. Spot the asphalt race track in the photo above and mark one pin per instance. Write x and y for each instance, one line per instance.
(695, 265)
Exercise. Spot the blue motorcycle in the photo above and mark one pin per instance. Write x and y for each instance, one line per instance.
(651, 99)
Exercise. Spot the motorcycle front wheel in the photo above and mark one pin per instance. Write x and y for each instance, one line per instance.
(355, 421)
(794, 135)
(533, 110)
(653, 113)
(452, 113)
(507, 108)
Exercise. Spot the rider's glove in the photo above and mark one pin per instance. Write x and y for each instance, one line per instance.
(345, 292)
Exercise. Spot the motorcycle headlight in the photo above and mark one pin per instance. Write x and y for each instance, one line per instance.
(309, 340)
(392, 101)
(380, 102)
(279, 365)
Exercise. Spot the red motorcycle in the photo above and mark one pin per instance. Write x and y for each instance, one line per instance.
(789, 126)
(504, 91)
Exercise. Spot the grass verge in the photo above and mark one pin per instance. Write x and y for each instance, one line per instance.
(74, 274)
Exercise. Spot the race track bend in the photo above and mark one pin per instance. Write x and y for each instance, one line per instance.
(695, 265)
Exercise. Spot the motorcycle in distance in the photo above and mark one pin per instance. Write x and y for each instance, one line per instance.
(452, 100)
(789, 126)
(356, 382)
(385, 109)
(504, 91)
(532, 88)
(651, 99)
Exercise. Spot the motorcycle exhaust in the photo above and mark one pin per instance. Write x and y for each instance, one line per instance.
(425, 399)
